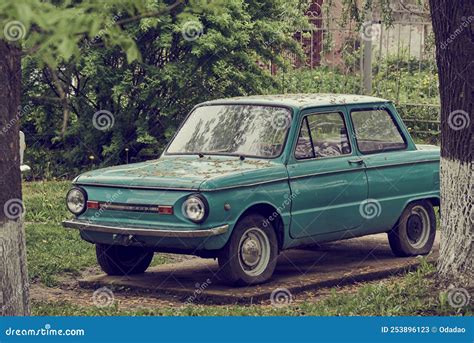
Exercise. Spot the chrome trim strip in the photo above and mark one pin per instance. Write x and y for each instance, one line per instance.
(161, 232)
(128, 207)
(179, 189)
(402, 163)
(112, 185)
(244, 185)
(361, 168)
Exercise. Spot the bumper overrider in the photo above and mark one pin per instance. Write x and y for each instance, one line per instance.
(152, 232)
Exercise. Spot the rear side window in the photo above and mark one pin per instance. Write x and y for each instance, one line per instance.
(322, 135)
(376, 131)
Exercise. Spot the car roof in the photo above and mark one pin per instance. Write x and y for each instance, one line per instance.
(299, 100)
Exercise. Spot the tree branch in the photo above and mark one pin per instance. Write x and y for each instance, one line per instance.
(64, 101)
(150, 14)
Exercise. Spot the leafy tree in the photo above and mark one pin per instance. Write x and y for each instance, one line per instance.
(141, 63)
(188, 55)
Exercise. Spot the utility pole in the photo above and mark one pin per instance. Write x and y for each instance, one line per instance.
(368, 35)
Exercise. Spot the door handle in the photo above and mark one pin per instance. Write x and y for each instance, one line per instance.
(356, 161)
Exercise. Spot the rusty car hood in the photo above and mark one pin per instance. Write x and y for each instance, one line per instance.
(186, 172)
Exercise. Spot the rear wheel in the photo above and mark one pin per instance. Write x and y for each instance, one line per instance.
(122, 260)
(250, 255)
(415, 230)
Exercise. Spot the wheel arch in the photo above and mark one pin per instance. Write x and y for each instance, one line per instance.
(273, 217)
(433, 199)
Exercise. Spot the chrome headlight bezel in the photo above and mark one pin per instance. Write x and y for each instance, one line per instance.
(195, 201)
(84, 203)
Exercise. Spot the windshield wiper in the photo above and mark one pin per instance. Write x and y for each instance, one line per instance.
(201, 155)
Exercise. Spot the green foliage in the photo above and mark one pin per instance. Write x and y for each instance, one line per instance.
(395, 79)
(149, 72)
(188, 55)
(45, 201)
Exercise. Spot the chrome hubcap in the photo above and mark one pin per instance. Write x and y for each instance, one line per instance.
(418, 227)
(251, 251)
(254, 251)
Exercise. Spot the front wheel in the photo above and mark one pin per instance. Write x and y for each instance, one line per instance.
(250, 255)
(414, 233)
(122, 260)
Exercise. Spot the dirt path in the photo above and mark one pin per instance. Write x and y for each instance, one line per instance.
(305, 275)
(69, 291)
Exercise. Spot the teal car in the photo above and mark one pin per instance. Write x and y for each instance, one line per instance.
(245, 178)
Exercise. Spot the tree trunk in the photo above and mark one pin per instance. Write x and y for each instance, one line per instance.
(13, 274)
(453, 25)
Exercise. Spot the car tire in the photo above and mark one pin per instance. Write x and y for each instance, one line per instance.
(122, 260)
(414, 233)
(249, 257)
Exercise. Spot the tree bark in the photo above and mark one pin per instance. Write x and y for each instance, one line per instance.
(13, 274)
(453, 26)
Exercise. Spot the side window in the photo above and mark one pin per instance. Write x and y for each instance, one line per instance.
(304, 146)
(376, 131)
(323, 135)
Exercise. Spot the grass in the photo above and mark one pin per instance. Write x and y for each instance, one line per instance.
(45, 201)
(54, 253)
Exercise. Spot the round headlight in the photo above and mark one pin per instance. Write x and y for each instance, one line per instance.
(195, 208)
(76, 200)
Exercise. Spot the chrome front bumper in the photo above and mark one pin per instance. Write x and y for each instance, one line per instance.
(159, 232)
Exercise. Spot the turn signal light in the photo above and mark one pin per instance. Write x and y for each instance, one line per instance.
(93, 204)
(165, 209)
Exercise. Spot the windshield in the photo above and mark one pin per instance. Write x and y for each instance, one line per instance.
(248, 130)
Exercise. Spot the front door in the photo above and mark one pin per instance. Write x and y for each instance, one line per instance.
(327, 177)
